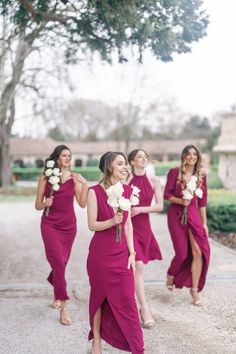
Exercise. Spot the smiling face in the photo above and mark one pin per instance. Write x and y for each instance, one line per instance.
(140, 160)
(192, 157)
(64, 159)
(119, 167)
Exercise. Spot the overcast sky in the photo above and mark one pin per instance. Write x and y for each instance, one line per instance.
(201, 82)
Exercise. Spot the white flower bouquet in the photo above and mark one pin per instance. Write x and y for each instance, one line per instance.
(120, 203)
(188, 193)
(53, 175)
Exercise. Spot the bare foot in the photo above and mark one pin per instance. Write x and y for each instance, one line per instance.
(195, 297)
(56, 304)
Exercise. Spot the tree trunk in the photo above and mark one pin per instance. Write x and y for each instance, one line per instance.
(7, 108)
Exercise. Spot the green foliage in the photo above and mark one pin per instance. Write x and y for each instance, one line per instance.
(93, 163)
(213, 181)
(164, 27)
(162, 168)
(32, 173)
(221, 210)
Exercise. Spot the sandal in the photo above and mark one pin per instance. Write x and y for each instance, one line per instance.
(64, 317)
(56, 304)
(170, 282)
(149, 323)
(195, 297)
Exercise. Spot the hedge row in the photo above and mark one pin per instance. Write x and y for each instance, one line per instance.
(221, 218)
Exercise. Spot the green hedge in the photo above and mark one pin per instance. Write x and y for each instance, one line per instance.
(221, 218)
(162, 168)
(32, 173)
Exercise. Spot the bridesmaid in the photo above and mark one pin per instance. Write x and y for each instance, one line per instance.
(145, 242)
(189, 266)
(59, 227)
(111, 264)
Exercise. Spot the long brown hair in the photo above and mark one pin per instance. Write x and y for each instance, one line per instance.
(197, 171)
(105, 165)
(55, 155)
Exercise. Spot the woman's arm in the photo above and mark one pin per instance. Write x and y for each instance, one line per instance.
(158, 206)
(203, 217)
(92, 211)
(130, 242)
(41, 202)
(81, 189)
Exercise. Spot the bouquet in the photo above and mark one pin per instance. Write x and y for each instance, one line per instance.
(53, 175)
(120, 203)
(188, 193)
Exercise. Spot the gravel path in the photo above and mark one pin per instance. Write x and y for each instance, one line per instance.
(29, 325)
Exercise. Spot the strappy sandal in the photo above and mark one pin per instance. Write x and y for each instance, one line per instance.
(65, 320)
(170, 282)
(195, 297)
(56, 304)
(149, 323)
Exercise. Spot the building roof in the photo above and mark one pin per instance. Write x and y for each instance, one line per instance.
(26, 147)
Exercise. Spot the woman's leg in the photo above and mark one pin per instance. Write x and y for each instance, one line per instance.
(96, 347)
(196, 267)
(140, 292)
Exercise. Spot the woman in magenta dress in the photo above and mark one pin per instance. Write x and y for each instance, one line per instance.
(58, 228)
(189, 266)
(111, 264)
(145, 243)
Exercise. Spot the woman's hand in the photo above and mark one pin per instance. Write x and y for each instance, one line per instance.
(49, 201)
(78, 178)
(186, 202)
(118, 218)
(131, 262)
(136, 211)
(205, 227)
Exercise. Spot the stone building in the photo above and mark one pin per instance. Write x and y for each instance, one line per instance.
(32, 152)
(226, 149)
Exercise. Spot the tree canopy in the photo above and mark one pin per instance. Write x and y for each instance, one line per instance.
(165, 27)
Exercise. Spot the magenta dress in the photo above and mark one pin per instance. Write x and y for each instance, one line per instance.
(58, 231)
(145, 243)
(180, 266)
(112, 284)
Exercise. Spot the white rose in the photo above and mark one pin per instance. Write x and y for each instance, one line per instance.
(54, 180)
(191, 185)
(136, 190)
(193, 178)
(187, 194)
(116, 190)
(55, 187)
(134, 200)
(113, 202)
(199, 192)
(56, 172)
(50, 163)
(124, 203)
(48, 172)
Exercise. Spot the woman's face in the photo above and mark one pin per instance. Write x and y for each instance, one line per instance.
(120, 169)
(140, 159)
(64, 158)
(191, 158)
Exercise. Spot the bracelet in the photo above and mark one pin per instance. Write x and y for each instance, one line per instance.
(132, 253)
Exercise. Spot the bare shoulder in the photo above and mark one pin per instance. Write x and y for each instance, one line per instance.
(42, 179)
(154, 179)
(129, 178)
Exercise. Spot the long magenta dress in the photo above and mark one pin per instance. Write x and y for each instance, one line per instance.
(58, 231)
(112, 284)
(145, 243)
(180, 266)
